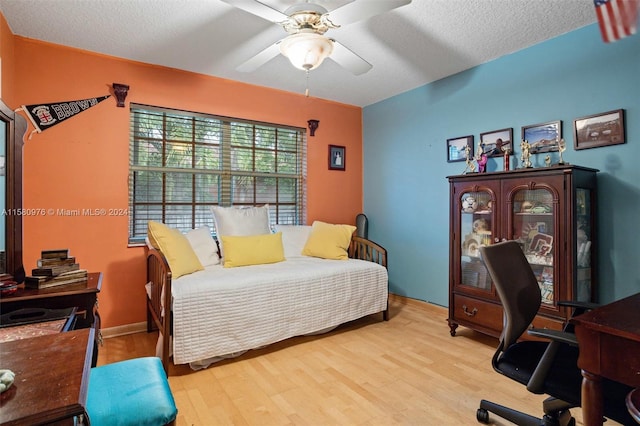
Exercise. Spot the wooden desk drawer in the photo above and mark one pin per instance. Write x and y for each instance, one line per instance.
(482, 313)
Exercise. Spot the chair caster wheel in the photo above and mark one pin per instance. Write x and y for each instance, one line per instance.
(569, 421)
(482, 416)
(565, 419)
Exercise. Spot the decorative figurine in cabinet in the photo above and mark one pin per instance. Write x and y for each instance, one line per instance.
(550, 212)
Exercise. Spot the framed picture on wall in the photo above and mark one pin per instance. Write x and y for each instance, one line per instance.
(337, 157)
(543, 137)
(497, 141)
(606, 128)
(457, 148)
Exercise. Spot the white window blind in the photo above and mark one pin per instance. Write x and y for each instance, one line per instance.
(182, 163)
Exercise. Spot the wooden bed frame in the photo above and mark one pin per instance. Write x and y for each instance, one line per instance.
(159, 277)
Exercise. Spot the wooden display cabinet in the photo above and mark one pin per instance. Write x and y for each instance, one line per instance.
(551, 212)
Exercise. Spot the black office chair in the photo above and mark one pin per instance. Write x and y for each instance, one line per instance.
(543, 367)
(633, 404)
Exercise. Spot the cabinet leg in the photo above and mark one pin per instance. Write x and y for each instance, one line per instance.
(452, 327)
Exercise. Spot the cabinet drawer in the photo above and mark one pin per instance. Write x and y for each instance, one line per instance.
(485, 314)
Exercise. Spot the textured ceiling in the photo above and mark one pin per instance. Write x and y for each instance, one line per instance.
(408, 47)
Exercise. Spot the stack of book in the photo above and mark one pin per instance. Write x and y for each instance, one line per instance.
(55, 267)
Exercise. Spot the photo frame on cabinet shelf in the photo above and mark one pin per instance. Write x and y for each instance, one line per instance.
(337, 160)
(495, 141)
(543, 137)
(456, 148)
(541, 244)
(603, 129)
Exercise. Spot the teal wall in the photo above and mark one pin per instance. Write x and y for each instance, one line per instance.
(405, 187)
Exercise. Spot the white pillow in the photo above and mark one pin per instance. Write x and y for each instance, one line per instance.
(294, 238)
(147, 241)
(204, 246)
(240, 222)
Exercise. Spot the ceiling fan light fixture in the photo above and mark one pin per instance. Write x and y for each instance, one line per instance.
(306, 50)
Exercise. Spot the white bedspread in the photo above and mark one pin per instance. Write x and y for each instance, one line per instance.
(221, 311)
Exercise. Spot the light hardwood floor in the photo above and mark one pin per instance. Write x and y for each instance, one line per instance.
(407, 371)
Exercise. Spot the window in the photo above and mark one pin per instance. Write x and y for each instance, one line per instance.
(182, 163)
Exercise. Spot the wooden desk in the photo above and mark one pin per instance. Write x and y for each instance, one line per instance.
(83, 295)
(609, 340)
(52, 375)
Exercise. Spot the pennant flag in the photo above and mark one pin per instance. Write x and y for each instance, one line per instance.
(617, 18)
(45, 116)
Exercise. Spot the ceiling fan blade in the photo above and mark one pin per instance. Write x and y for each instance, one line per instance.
(361, 10)
(261, 58)
(349, 60)
(259, 9)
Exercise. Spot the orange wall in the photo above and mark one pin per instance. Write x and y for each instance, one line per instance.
(82, 163)
(6, 70)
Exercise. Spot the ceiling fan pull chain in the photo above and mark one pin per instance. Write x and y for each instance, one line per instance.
(306, 92)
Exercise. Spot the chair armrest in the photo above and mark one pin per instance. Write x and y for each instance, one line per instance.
(579, 308)
(554, 335)
(587, 306)
(536, 382)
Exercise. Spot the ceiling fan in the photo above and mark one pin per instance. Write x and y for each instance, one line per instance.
(306, 46)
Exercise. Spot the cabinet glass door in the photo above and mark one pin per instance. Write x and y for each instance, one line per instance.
(476, 219)
(583, 244)
(533, 227)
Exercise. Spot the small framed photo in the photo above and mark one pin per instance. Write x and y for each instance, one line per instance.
(337, 157)
(497, 141)
(457, 148)
(541, 244)
(604, 129)
(543, 137)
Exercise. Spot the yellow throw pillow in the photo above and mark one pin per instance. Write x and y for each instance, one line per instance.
(175, 247)
(240, 222)
(252, 250)
(328, 241)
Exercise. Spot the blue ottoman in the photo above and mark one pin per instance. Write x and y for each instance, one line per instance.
(133, 392)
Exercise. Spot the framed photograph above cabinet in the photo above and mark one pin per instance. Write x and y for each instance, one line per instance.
(458, 148)
(606, 128)
(543, 137)
(496, 142)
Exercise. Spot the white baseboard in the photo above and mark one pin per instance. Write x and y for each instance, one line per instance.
(121, 330)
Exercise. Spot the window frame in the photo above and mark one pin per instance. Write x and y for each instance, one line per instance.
(224, 147)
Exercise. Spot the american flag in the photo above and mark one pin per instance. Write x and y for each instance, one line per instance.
(617, 18)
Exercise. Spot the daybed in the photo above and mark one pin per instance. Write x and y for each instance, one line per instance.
(220, 312)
